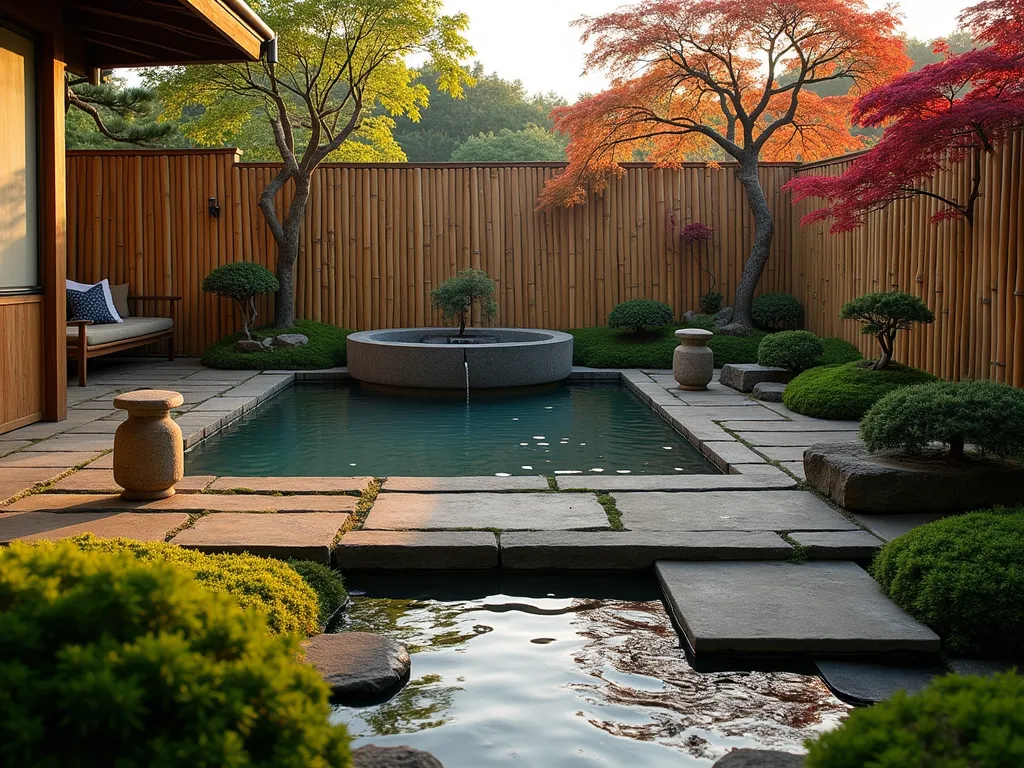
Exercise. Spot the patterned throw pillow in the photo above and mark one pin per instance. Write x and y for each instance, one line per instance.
(92, 303)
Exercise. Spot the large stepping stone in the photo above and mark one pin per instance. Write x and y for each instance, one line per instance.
(304, 536)
(49, 526)
(598, 550)
(769, 391)
(759, 758)
(507, 511)
(888, 527)
(16, 480)
(359, 667)
(417, 550)
(838, 545)
(729, 511)
(787, 608)
(797, 439)
(465, 484)
(862, 683)
(743, 376)
(372, 756)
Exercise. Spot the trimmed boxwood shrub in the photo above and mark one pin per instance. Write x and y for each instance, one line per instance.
(956, 722)
(326, 349)
(776, 311)
(847, 391)
(108, 661)
(985, 414)
(270, 586)
(963, 577)
(794, 350)
(326, 582)
(640, 315)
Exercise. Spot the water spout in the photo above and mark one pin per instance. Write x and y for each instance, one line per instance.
(466, 363)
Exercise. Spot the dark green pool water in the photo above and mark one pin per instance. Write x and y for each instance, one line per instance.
(557, 672)
(348, 429)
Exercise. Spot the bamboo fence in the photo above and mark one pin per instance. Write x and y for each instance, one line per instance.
(378, 238)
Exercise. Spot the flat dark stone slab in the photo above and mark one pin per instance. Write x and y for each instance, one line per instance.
(838, 545)
(417, 550)
(302, 535)
(358, 666)
(743, 376)
(769, 391)
(465, 484)
(860, 482)
(372, 756)
(759, 758)
(559, 550)
(786, 608)
(862, 683)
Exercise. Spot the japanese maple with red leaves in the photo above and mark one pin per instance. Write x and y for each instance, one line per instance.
(954, 111)
(724, 79)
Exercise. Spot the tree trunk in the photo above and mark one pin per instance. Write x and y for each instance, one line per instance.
(956, 447)
(286, 235)
(764, 229)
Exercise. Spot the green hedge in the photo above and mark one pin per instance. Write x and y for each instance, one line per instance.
(640, 315)
(793, 350)
(326, 582)
(326, 349)
(847, 391)
(270, 586)
(964, 577)
(956, 722)
(108, 661)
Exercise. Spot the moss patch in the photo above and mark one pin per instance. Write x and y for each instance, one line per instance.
(847, 391)
(326, 349)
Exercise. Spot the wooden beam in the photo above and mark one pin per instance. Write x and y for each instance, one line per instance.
(238, 32)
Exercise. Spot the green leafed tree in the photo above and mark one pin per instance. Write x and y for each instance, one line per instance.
(340, 80)
(112, 114)
(533, 143)
(490, 104)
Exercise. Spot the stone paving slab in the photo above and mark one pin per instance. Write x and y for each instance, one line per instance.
(185, 502)
(863, 683)
(780, 425)
(696, 427)
(306, 536)
(769, 478)
(98, 427)
(9, 446)
(784, 453)
(781, 439)
(225, 404)
(838, 545)
(39, 526)
(15, 480)
(417, 550)
(292, 484)
(732, 454)
(66, 442)
(106, 461)
(729, 511)
(737, 411)
(560, 550)
(57, 459)
(787, 608)
(796, 467)
(888, 527)
(102, 481)
(465, 484)
(506, 511)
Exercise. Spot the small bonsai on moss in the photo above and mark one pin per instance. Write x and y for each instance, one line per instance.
(776, 311)
(794, 350)
(955, 722)
(984, 414)
(847, 391)
(640, 315)
(884, 315)
(962, 576)
(242, 282)
(456, 296)
(710, 302)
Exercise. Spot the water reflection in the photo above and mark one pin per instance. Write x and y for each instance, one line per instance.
(564, 681)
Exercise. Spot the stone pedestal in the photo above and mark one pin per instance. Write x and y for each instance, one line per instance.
(693, 364)
(148, 450)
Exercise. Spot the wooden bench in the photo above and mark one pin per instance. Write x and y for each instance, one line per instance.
(116, 337)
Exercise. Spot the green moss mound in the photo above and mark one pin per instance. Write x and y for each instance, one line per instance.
(270, 586)
(964, 577)
(610, 348)
(109, 661)
(326, 582)
(847, 391)
(326, 349)
(956, 722)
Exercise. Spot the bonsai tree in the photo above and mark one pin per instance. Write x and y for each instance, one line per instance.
(242, 282)
(456, 296)
(639, 315)
(885, 314)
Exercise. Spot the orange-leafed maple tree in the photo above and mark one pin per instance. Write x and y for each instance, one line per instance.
(732, 76)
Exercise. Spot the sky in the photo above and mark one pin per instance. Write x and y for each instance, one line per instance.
(532, 40)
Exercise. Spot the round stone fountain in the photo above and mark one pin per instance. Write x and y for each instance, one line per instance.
(438, 358)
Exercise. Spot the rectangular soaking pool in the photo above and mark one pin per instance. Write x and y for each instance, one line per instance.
(346, 428)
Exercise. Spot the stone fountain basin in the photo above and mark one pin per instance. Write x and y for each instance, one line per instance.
(399, 358)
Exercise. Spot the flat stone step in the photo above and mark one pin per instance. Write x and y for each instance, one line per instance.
(751, 478)
(838, 545)
(481, 484)
(742, 424)
(49, 526)
(292, 484)
(863, 683)
(743, 376)
(102, 481)
(184, 502)
(305, 536)
(568, 550)
(506, 511)
(781, 439)
(782, 511)
(769, 391)
(787, 608)
(58, 459)
(16, 480)
(417, 550)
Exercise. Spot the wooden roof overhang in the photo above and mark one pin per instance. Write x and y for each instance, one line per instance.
(107, 34)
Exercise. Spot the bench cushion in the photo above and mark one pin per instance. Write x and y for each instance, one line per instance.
(131, 328)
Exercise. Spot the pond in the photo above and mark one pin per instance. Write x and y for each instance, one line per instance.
(350, 429)
(546, 670)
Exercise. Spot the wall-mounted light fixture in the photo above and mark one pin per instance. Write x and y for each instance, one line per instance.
(214, 208)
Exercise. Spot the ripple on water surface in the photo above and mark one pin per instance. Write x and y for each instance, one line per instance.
(571, 681)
